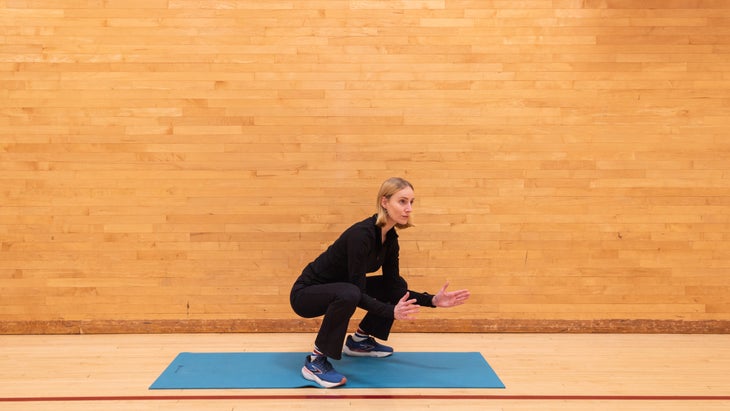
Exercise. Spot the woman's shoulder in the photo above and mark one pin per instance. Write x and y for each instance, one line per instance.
(365, 227)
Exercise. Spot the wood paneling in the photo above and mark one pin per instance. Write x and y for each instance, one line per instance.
(183, 160)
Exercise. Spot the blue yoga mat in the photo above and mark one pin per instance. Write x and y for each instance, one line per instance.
(283, 370)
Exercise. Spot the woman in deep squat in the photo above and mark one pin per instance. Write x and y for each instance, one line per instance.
(335, 284)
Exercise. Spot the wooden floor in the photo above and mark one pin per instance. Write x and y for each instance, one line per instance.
(540, 371)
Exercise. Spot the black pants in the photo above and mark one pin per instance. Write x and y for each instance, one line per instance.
(337, 302)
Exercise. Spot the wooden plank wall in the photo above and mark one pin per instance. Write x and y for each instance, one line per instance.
(164, 161)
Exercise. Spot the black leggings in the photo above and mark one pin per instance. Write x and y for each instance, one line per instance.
(337, 302)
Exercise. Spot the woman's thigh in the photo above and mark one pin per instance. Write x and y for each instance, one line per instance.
(314, 300)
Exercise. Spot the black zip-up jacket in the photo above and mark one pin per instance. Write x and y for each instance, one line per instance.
(357, 252)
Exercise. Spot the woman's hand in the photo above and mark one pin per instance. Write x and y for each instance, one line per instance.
(405, 309)
(450, 298)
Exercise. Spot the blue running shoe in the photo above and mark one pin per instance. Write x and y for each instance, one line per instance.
(366, 348)
(321, 371)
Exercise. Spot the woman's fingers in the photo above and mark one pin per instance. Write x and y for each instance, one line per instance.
(460, 297)
(406, 313)
(405, 309)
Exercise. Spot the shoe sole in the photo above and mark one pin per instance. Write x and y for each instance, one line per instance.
(326, 384)
(378, 354)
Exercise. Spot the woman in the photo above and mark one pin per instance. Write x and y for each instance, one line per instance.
(335, 284)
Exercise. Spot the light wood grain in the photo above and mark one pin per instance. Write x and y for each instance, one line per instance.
(186, 159)
(583, 365)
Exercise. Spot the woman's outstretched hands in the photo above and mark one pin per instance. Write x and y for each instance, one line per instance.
(406, 309)
(450, 298)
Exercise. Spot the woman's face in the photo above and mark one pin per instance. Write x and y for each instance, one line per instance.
(399, 205)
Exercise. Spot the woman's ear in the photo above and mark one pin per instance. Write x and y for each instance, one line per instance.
(383, 201)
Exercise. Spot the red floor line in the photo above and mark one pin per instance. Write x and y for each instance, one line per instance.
(375, 397)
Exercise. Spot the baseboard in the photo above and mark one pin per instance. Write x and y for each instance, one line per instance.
(287, 326)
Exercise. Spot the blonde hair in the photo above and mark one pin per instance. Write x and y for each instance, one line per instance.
(387, 189)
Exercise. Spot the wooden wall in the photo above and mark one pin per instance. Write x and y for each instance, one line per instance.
(172, 162)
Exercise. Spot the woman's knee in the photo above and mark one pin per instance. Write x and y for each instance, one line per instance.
(344, 301)
(349, 294)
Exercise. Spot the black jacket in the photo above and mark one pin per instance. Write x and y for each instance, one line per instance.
(357, 252)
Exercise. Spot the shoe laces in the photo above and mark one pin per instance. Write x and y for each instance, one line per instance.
(370, 341)
(322, 363)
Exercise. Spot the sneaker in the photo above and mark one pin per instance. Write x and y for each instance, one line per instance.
(321, 371)
(366, 348)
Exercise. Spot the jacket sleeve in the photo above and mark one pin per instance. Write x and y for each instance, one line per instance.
(422, 299)
(391, 273)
